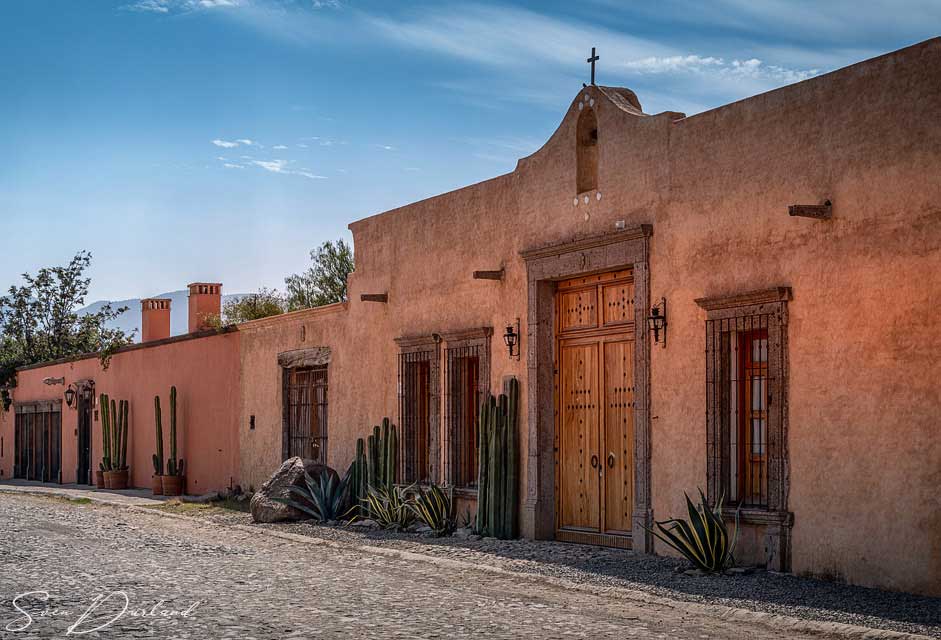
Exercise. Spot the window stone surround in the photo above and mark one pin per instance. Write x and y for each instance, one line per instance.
(776, 519)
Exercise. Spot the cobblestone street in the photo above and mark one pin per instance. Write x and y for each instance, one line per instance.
(189, 579)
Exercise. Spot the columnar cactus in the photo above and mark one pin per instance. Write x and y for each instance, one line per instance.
(105, 433)
(376, 461)
(114, 433)
(358, 478)
(174, 465)
(125, 431)
(158, 422)
(498, 470)
(382, 460)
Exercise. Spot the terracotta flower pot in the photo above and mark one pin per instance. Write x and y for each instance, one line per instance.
(172, 485)
(119, 479)
(99, 479)
(156, 484)
(108, 475)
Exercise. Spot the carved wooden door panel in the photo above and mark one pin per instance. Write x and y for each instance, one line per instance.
(579, 438)
(618, 485)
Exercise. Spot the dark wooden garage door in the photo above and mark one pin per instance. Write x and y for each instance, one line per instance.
(38, 442)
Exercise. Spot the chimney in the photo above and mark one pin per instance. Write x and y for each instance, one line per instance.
(155, 319)
(205, 305)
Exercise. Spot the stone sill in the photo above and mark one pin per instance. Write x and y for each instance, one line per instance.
(759, 516)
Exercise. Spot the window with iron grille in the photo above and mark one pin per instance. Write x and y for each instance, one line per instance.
(746, 368)
(305, 413)
(418, 381)
(467, 379)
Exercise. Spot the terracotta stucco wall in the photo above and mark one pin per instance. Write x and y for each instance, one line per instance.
(205, 371)
(865, 457)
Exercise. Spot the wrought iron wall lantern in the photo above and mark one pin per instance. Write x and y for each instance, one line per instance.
(657, 322)
(70, 396)
(512, 339)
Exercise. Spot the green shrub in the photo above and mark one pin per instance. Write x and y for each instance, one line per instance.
(703, 540)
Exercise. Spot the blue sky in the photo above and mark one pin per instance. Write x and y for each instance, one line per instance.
(183, 140)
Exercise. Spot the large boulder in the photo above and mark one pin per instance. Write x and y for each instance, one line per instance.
(291, 473)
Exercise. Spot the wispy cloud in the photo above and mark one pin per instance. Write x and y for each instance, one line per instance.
(281, 166)
(513, 41)
(275, 166)
(384, 147)
(279, 147)
(238, 142)
(750, 68)
(179, 6)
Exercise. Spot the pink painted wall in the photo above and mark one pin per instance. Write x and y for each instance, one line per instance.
(205, 371)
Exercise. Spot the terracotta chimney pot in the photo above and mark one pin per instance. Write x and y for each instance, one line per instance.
(155, 319)
(205, 304)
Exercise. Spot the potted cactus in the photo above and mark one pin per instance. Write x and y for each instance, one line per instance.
(174, 480)
(105, 465)
(114, 430)
(157, 479)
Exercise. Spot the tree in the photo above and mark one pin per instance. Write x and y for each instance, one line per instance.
(325, 281)
(39, 321)
(267, 302)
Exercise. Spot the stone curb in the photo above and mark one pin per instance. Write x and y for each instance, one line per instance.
(786, 624)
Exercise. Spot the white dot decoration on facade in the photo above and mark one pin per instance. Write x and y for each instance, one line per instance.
(591, 102)
(598, 196)
(581, 105)
(586, 97)
(575, 202)
(587, 216)
(586, 199)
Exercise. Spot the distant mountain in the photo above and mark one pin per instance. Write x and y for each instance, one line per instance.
(130, 319)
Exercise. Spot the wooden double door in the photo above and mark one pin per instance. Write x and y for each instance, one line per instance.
(595, 409)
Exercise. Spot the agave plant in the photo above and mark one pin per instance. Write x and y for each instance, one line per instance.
(324, 498)
(389, 507)
(703, 540)
(435, 509)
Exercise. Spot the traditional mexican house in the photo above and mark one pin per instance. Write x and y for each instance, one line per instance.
(54, 441)
(742, 301)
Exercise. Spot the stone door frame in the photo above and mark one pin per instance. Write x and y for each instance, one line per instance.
(544, 267)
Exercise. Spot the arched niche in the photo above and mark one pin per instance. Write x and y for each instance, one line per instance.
(586, 150)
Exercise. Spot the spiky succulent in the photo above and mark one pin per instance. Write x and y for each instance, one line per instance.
(389, 507)
(434, 508)
(323, 498)
(703, 540)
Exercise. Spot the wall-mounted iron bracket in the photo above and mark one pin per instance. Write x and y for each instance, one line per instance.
(817, 211)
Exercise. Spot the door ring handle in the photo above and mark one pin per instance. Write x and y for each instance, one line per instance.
(594, 462)
(611, 460)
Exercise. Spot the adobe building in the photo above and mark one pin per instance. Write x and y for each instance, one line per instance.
(742, 301)
(47, 438)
